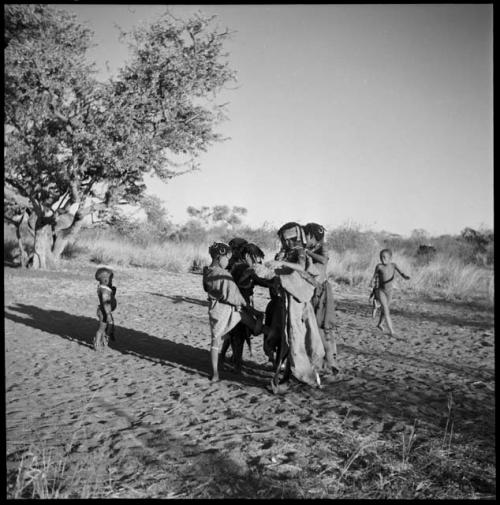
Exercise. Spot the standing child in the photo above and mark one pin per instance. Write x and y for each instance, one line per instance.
(382, 287)
(322, 301)
(107, 304)
(227, 307)
(236, 245)
(246, 276)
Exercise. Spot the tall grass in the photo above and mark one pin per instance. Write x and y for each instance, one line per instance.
(353, 256)
(171, 256)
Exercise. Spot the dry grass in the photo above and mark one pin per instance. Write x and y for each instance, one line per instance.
(443, 276)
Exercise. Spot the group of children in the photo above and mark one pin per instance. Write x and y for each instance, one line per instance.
(229, 281)
(236, 269)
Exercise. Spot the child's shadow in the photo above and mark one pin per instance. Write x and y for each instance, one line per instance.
(81, 329)
(181, 298)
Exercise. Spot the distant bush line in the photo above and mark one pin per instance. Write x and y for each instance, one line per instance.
(458, 266)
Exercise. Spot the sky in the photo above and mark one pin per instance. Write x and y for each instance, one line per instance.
(375, 116)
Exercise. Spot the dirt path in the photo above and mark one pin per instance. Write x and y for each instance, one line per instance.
(145, 419)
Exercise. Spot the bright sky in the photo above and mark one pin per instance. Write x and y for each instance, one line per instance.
(380, 115)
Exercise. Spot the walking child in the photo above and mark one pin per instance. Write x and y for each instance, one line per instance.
(227, 307)
(107, 304)
(382, 284)
(322, 301)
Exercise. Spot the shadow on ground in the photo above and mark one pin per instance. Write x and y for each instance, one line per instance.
(81, 329)
(486, 320)
(181, 299)
(421, 395)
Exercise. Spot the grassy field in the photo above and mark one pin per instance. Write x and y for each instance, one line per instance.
(352, 260)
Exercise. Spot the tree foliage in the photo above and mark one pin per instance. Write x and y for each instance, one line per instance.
(231, 216)
(74, 144)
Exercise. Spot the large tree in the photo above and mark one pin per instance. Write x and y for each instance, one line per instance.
(73, 144)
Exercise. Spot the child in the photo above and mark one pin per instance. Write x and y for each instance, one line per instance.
(107, 304)
(382, 287)
(227, 307)
(245, 275)
(236, 244)
(295, 338)
(322, 301)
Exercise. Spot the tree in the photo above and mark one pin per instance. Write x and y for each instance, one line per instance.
(218, 214)
(73, 144)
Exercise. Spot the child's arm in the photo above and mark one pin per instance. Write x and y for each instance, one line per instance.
(401, 273)
(374, 277)
(319, 258)
(230, 293)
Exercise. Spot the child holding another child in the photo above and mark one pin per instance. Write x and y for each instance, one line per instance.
(227, 306)
(322, 301)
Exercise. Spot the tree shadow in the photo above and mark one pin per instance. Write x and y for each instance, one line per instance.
(81, 329)
(182, 298)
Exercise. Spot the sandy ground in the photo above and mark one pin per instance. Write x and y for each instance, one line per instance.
(145, 412)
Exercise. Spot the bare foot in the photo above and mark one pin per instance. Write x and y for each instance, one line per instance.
(380, 327)
(215, 378)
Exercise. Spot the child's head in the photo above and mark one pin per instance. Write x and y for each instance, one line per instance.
(236, 245)
(104, 276)
(315, 233)
(220, 253)
(292, 235)
(252, 254)
(385, 256)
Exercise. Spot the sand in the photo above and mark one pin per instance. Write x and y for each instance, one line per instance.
(144, 420)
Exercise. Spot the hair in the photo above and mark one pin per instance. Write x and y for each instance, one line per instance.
(388, 251)
(104, 275)
(253, 250)
(301, 237)
(316, 230)
(288, 225)
(218, 249)
(237, 242)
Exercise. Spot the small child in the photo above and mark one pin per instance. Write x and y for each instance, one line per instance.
(107, 304)
(322, 301)
(245, 275)
(382, 287)
(236, 244)
(227, 307)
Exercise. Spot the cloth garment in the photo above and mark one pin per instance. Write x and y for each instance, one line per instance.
(223, 296)
(324, 306)
(301, 329)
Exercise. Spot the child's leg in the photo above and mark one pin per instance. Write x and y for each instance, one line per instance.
(330, 344)
(100, 336)
(214, 358)
(215, 347)
(238, 343)
(225, 347)
(384, 303)
(248, 340)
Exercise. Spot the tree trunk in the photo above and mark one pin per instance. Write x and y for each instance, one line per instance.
(22, 253)
(51, 237)
(42, 256)
(65, 235)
